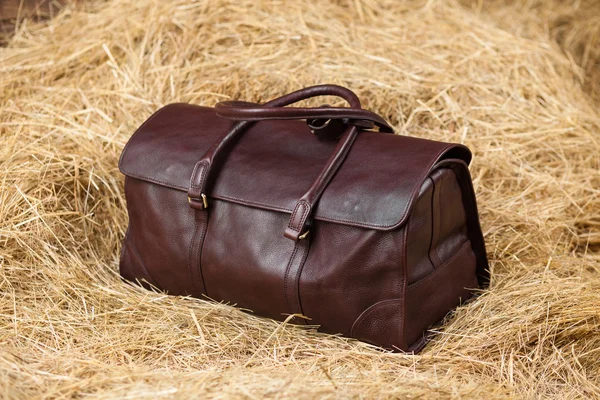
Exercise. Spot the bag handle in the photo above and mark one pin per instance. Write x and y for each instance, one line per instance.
(246, 111)
(298, 226)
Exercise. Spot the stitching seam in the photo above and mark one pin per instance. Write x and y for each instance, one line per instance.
(369, 311)
(298, 227)
(297, 278)
(199, 252)
(203, 172)
(285, 278)
(191, 254)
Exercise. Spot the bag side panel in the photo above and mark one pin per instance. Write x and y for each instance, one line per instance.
(449, 222)
(451, 254)
(431, 298)
(420, 233)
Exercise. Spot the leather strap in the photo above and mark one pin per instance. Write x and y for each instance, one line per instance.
(302, 212)
(291, 280)
(246, 111)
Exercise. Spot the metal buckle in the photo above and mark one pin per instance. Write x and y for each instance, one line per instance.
(316, 124)
(304, 235)
(326, 129)
(204, 200)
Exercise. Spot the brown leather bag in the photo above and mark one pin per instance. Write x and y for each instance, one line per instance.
(373, 235)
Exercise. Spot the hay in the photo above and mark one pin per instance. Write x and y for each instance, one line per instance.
(513, 82)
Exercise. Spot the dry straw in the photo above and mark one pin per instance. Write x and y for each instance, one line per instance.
(516, 82)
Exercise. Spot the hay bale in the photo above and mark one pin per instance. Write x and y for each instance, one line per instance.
(492, 77)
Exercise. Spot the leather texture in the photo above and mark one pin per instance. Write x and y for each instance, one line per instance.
(385, 235)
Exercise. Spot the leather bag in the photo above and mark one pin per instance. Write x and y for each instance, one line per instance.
(321, 216)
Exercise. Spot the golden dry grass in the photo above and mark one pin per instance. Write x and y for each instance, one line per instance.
(517, 82)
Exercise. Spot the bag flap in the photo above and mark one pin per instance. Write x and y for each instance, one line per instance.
(274, 162)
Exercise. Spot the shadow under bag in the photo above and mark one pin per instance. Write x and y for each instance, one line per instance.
(306, 212)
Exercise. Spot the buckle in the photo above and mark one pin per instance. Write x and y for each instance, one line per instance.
(195, 203)
(304, 235)
(326, 129)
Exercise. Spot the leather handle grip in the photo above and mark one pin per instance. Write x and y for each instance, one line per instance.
(246, 111)
(303, 210)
